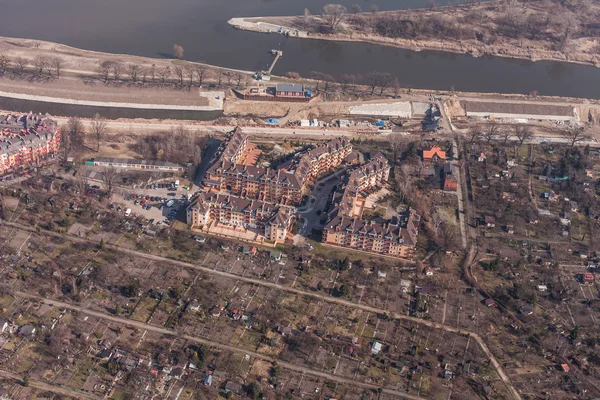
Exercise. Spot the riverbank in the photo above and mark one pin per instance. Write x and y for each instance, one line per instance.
(156, 84)
(478, 25)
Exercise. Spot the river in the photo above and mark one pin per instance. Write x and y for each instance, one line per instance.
(151, 27)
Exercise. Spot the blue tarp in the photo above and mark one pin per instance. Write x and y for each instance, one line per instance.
(272, 121)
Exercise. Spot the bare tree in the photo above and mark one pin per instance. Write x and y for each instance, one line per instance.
(328, 81)
(189, 72)
(98, 126)
(133, 70)
(76, 133)
(57, 63)
(574, 135)
(81, 180)
(163, 73)
(219, 76)
(523, 133)
(491, 133)
(104, 70)
(356, 9)
(178, 70)
(238, 79)
(40, 63)
(504, 134)
(201, 73)
(153, 72)
(177, 51)
(474, 133)
(109, 179)
(144, 74)
(21, 64)
(4, 63)
(380, 80)
(346, 80)
(397, 144)
(334, 14)
(385, 80)
(396, 87)
(117, 70)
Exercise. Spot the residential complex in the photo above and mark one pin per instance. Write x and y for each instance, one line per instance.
(284, 186)
(26, 140)
(269, 221)
(255, 203)
(347, 228)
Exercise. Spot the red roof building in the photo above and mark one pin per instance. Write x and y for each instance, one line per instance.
(434, 155)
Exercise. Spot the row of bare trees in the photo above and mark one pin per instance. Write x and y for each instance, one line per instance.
(503, 133)
(372, 83)
(74, 134)
(181, 75)
(40, 66)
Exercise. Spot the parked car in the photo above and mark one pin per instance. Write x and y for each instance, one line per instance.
(171, 194)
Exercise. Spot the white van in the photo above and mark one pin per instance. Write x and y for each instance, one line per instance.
(177, 183)
(128, 212)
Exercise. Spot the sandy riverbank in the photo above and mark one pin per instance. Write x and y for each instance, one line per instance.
(580, 50)
(80, 83)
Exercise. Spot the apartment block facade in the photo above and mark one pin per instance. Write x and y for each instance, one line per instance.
(347, 228)
(283, 186)
(272, 221)
(27, 140)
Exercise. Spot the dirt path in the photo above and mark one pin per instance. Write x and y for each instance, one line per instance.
(76, 394)
(347, 303)
(163, 331)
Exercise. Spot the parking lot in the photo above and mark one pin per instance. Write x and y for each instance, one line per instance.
(161, 203)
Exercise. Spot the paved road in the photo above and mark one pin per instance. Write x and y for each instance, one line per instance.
(258, 130)
(163, 331)
(319, 296)
(76, 394)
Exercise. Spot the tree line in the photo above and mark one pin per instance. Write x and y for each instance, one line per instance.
(41, 67)
(371, 83)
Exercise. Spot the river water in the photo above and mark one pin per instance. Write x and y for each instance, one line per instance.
(151, 27)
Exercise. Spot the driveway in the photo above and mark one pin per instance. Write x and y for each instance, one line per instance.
(315, 210)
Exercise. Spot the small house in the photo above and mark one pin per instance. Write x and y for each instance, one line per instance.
(434, 155)
(208, 379)
(249, 250)
(587, 277)
(490, 221)
(233, 387)
(450, 184)
(376, 348)
(275, 255)
(564, 368)
(194, 306)
(542, 288)
(490, 303)
(510, 229)
(27, 330)
(481, 157)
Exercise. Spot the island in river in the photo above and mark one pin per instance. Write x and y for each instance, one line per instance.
(557, 30)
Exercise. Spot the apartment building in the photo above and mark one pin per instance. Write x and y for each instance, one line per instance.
(270, 220)
(27, 140)
(347, 228)
(285, 186)
(322, 159)
(396, 238)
